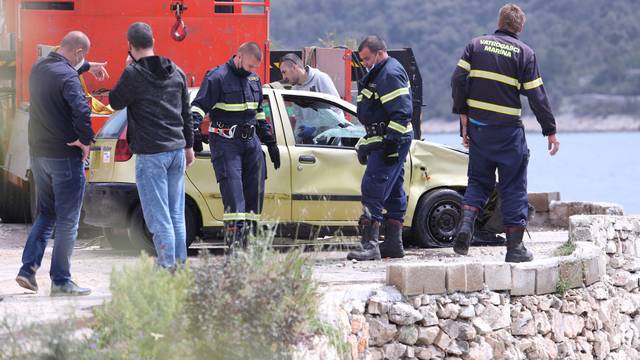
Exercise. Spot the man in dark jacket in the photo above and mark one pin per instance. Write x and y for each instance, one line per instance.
(385, 107)
(160, 133)
(486, 86)
(59, 137)
(231, 94)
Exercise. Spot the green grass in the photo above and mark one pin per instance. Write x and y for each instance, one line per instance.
(562, 287)
(565, 249)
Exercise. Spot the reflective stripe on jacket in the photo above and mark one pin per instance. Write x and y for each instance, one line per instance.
(489, 78)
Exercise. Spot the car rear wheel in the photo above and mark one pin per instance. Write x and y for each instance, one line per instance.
(117, 238)
(437, 217)
(142, 238)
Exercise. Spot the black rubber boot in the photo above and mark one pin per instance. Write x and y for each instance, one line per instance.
(369, 241)
(516, 252)
(465, 233)
(391, 247)
(233, 239)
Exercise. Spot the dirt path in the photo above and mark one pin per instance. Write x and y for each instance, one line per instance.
(92, 266)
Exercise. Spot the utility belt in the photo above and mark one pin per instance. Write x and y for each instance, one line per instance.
(376, 129)
(242, 132)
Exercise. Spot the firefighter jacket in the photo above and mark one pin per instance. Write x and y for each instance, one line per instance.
(232, 96)
(385, 105)
(490, 77)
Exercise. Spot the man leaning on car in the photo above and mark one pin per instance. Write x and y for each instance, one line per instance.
(160, 133)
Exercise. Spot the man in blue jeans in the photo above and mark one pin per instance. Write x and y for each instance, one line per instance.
(160, 133)
(59, 138)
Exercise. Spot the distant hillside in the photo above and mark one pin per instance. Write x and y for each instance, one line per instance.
(583, 46)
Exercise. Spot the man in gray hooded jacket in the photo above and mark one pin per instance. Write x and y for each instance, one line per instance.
(314, 122)
(160, 133)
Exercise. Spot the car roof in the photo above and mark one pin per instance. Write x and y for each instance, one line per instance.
(269, 88)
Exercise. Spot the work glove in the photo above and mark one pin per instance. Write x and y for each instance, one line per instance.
(274, 155)
(390, 154)
(362, 155)
(197, 141)
(305, 132)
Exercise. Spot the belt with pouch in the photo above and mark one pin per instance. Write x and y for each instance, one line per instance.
(243, 132)
(376, 129)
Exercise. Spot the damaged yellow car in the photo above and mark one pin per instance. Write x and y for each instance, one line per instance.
(315, 193)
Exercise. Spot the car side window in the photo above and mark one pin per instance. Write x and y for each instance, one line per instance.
(318, 122)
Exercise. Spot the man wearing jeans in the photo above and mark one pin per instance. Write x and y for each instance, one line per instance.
(160, 133)
(59, 138)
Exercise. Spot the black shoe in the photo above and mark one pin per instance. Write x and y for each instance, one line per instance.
(27, 282)
(516, 252)
(369, 241)
(69, 289)
(465, 234)
(391, 247)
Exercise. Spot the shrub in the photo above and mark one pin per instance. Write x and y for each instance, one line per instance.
(255, 305)
(144, 317)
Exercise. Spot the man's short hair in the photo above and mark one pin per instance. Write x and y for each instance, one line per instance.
(511, 18)
(140, 35)
(251, 48)
(290, 59)
(75, 40)
(374, 43)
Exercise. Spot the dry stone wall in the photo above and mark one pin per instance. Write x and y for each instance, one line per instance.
(598, 320)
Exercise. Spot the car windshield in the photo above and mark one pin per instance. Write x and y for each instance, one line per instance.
(114, 126)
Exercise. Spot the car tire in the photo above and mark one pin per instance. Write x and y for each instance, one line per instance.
(141, 237)
(117, 238)
(14, 203)
(437, 217)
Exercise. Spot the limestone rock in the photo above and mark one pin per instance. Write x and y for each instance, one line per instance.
(565, 351)
(448, 311)
(600, 291)
(573, 325)
(458, 348)
(467, 332)
(357, 323)
(429, 317)
(482, 327)
(621, 278)
(523, 324)
(427, 335)
(451, 327)
(541, 321)
(497, 317)
(467, 312)
(381, 332)
(557, 325)
(408, 334)
(442, 340)
(479, 351)
(394, 351)
(404, 314)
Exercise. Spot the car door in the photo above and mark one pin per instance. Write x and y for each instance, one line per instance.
(277, 200)
(325, 173)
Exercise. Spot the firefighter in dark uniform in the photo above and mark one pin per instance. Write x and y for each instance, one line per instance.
(385, 109)
(486, 87)
(231, 94)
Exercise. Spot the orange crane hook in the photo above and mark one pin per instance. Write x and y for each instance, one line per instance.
(179, 29)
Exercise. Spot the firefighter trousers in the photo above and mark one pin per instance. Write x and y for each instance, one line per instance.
(382, 186)
(504, 149)
(239, 166)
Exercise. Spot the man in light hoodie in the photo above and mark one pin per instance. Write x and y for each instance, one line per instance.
(306, 78)
(160, 133)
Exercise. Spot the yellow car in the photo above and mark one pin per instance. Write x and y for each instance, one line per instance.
(315, 192)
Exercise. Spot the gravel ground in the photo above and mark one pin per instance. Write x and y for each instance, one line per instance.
(92, 266)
